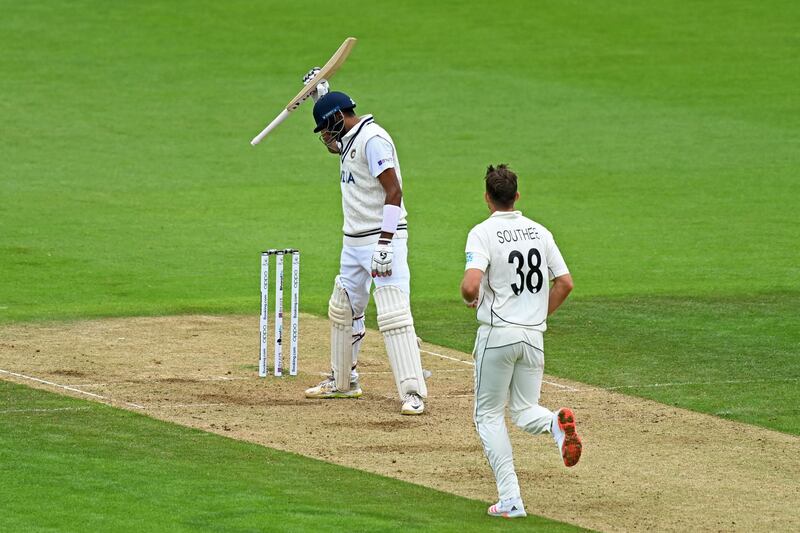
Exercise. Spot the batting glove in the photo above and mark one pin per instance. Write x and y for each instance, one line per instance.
(382, 260)
(322, 87)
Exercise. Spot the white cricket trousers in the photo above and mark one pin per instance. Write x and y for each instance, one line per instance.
(509, 365)
(355, 272)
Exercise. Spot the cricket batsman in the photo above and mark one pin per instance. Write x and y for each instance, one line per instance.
(374, 250)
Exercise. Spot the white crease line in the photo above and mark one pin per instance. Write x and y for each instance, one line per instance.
(471, 363)
(173, 405)
(433, 372)
(567, 388)
(2, 411)
(687, 384)
(560, 386)
(71, 389)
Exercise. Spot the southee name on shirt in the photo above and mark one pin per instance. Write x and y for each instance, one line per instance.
(519, 234)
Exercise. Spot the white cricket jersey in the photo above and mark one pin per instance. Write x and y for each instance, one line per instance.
(519, 258)
(363, 195)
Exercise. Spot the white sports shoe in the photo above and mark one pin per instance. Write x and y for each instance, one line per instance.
(327, 389)
(509, 508)
(412, 404)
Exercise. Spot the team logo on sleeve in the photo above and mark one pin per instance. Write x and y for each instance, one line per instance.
(469, 257)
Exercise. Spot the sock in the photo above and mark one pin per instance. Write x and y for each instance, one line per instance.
(558, 435)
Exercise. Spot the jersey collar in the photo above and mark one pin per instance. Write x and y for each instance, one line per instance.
(357, 128)
(506, 214)
(350, 136)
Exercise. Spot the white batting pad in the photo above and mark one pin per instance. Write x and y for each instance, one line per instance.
(397, 326)
(341, 315)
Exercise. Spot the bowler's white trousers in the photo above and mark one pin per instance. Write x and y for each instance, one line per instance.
(509, 365)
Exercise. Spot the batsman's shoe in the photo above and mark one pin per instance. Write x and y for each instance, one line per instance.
(327, 389)
(412, 405)
(569, 443)
(509, 508)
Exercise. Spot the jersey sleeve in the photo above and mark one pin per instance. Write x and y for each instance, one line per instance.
(477, 251)
(556, 265)
(380, 155)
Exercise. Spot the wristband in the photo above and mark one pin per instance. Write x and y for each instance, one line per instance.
(391, 217)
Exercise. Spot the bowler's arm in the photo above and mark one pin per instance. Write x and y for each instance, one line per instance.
(471, 286)
(559, 290)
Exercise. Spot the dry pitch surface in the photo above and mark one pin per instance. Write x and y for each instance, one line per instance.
(645, 465)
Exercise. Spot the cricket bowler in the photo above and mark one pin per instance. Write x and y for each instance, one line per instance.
(511, 263)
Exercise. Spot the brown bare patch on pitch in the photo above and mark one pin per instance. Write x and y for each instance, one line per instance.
(70, 373)
(645, 465)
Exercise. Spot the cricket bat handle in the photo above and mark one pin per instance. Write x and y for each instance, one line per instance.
(271, 126)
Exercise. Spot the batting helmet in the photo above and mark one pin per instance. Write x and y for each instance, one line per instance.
(329, 105)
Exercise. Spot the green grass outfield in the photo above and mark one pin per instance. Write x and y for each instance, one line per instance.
(659, 141)
(90, 467)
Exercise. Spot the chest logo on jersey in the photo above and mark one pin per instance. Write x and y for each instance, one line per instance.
(353, 154)
(347, 177)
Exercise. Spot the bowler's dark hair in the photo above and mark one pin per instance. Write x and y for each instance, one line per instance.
(501, 184)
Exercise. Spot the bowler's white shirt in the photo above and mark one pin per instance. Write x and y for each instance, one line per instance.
(519, 257)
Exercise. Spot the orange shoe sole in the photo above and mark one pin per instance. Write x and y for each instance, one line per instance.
(572, 447)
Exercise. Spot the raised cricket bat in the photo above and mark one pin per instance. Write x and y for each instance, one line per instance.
(326, 73)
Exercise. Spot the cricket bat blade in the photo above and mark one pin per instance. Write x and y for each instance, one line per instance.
(326, 73)
(271, 126)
